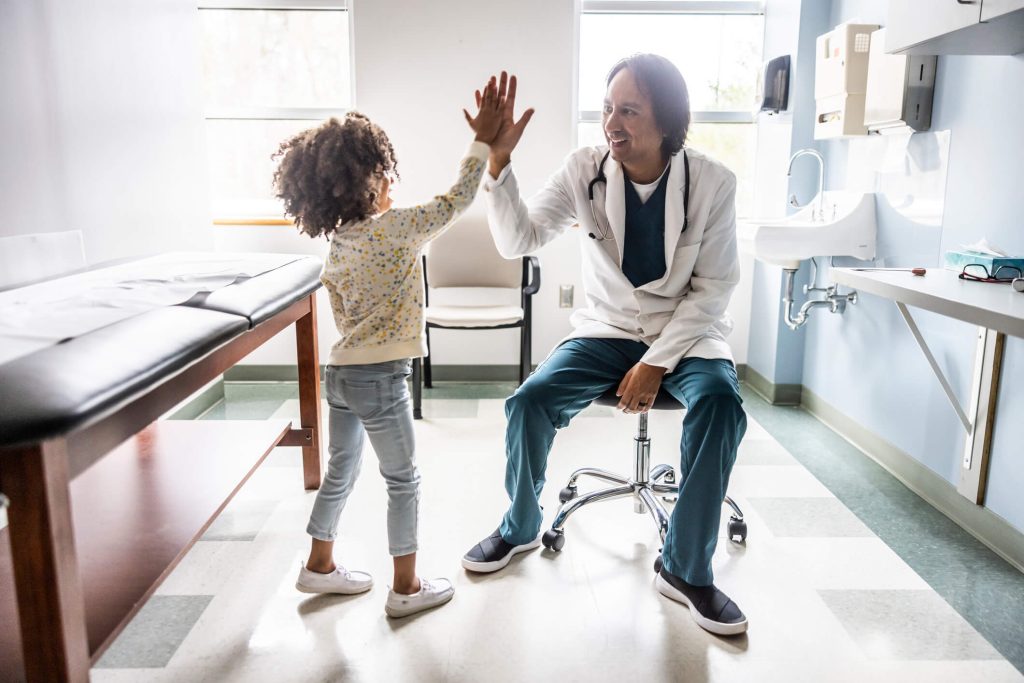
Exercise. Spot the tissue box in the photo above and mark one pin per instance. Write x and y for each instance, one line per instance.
(956, 260)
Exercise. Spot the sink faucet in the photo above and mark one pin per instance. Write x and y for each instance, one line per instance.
(816, 211)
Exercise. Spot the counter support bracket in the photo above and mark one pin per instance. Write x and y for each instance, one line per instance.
(979, 420)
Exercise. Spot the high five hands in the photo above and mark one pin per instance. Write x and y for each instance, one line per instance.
(487, 121)
(510, 131)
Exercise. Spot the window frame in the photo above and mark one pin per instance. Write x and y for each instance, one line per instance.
(248, 113)
(675, 8)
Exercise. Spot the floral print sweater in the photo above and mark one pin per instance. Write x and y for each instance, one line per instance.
(374, 274)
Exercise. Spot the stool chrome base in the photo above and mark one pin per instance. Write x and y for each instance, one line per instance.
(645, 486)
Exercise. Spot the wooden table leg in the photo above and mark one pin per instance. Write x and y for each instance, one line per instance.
(51, 607)
(309, 393)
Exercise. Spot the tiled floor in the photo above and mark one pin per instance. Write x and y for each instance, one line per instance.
(832, 592)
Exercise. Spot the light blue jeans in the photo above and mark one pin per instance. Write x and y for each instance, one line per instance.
(370, 400)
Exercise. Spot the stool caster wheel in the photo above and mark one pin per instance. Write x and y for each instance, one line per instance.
(669, 478)
(553, 540)
(567, 494)
(737, 530)
(657, 564)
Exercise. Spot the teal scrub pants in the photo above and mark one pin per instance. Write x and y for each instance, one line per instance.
(579, 371)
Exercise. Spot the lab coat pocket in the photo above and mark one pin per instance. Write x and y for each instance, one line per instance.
(680, 270)
(684, 258)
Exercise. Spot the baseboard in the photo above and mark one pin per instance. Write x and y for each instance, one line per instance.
(441, 373)
(776, 394)
(201, 403)
(988, 527)
(476, 373)
(265, 373)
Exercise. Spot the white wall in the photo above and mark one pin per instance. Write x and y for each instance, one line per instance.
(416, 66)
(103, 128)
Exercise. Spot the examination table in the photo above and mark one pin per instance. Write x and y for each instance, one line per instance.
(103, 498)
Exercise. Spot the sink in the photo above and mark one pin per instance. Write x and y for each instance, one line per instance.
(846, 228)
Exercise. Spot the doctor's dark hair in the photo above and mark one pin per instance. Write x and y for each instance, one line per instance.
(330, 175)
(661, 81)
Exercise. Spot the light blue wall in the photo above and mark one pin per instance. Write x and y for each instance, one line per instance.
(865, 363)
(776, 352)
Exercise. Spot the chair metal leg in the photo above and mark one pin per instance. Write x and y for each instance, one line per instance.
(428, 376)
(524, 351)
(658, 513)
(587, 498)
(737, 513)
(660, 471)
(417, 389)
(597, 473)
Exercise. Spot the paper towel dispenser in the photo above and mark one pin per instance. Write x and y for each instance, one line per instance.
(840, 80)
(900, 89)
(775, 85)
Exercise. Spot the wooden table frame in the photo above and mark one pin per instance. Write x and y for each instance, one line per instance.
(36, 480)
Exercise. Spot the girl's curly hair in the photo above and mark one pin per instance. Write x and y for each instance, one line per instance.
(330, 175)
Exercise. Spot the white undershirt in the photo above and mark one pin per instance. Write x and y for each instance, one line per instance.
(645, 191)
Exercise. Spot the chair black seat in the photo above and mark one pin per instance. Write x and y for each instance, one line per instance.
(663, 401)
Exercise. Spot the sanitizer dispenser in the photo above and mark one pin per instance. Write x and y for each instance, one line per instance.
(840, 80)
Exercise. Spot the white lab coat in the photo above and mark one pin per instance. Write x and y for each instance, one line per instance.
(682, 314)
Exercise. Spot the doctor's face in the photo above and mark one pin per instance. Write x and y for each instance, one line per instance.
(630, 128)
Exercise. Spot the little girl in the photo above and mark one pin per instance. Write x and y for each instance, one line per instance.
(335, 181)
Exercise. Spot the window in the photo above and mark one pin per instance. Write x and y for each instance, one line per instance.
(717, 46)
(271, 68)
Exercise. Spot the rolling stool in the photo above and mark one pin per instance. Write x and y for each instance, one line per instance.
(643, 485)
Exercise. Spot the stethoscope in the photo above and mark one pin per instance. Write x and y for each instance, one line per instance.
(601, 178)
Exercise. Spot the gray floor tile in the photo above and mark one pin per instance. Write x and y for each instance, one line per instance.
(906, 625)
(156, 632)
(808, 518)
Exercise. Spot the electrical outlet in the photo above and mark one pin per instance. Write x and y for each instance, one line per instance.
(565, 296)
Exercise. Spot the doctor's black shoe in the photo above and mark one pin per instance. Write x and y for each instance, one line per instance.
(493, 553)
(710, 608)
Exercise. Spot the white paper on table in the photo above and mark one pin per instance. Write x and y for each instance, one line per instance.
(43, 314)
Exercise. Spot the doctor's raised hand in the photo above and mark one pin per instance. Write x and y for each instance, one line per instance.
(511, 130)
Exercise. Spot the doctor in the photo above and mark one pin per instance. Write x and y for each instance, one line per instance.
(658, 242)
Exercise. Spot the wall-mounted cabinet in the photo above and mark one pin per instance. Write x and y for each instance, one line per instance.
(955, 27)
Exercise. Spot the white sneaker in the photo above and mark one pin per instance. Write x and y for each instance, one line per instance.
(340, 581)
(433, 593)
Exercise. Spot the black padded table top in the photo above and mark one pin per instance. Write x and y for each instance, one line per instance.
(261, 297)
(65, 387)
